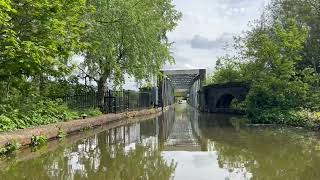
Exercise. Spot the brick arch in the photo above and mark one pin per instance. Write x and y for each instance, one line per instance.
(218, 97)
(224, 101)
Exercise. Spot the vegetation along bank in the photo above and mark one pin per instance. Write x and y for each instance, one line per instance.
(69, 48)
(280, 57)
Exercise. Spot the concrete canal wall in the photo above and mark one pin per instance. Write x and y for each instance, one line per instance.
(51, 131)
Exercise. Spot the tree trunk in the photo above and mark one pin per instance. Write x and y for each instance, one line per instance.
(101, 92)
(8, 87)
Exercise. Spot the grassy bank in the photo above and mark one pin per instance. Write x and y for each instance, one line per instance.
(30, 113)
(298, 118)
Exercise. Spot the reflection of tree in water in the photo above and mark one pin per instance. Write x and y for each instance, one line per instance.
(95, 158)
(267, 153)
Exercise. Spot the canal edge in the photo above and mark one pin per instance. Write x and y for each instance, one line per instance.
(23, 137)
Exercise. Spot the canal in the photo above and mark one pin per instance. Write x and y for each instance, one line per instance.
(181, 144)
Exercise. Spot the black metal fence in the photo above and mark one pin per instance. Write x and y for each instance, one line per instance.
(114, 101)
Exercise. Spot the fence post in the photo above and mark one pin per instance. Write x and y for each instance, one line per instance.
(122, 101)
(115, 104)
(109, 100)
(128, 103)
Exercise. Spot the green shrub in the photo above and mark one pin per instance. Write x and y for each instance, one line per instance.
(301, 118)
(29, 112)
(274, 101)
(10, 147)
(39, 140)
(6, 123)
(61, 134)
(35, 112)
(92, 112)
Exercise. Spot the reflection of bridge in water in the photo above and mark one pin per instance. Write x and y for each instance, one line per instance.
(172, 131)
(153, 132)
(182, 135)
(182, 128)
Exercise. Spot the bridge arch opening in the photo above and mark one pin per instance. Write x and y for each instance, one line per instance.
(225, 101)
(182, 85)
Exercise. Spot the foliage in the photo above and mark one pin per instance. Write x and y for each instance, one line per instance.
(39, 37)
(37, 111)
(91, 112)
(40, 41)
(10, 147)
(272, 57)
(301, 118)
(227, 70)
(66, 86)
(127, 37)
(274, 93)
(61, 134)
(6, 123)
(39, 140)
(37, 40)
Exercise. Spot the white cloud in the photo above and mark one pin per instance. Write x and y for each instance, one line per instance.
(207, 26)
(199, 42)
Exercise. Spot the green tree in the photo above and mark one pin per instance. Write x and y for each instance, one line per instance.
(269, 57)
(276, 49)
(127, 37)
(307, 14)
(39, 37)
(227, 70)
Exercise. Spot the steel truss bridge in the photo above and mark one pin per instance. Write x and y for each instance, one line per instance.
(189, 81)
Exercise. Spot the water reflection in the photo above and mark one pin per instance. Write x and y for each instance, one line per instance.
(259, 152)
(126, 152)
(181, 144)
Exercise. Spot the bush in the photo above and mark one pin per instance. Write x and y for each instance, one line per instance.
(274, 101)
(92, 112)
(6, 123)
(10, 147)
(33, 112)
(39, 140)
(275, 93)
(301, 118)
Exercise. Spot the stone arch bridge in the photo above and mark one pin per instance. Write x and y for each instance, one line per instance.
(217, 98)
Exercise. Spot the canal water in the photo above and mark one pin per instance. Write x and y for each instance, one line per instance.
(181, 144)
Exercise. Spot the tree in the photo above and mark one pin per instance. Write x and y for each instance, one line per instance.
(227, 70)
(275, 50)
(127, 37)
(269, 55)
(39, 37)
(307, 14)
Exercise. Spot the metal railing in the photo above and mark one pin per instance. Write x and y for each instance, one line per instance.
(114, 101)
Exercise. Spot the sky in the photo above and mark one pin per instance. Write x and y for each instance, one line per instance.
(206, 29)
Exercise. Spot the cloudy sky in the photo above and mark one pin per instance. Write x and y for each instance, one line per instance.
(207, 26)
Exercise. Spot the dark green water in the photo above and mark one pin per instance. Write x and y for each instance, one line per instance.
(182, 144)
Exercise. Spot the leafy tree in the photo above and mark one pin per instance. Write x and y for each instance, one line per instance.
(39, 38)
(227, 70)
(271, 56)
(307, 14)
(274, 53)
(275, 50)
(127, 37)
